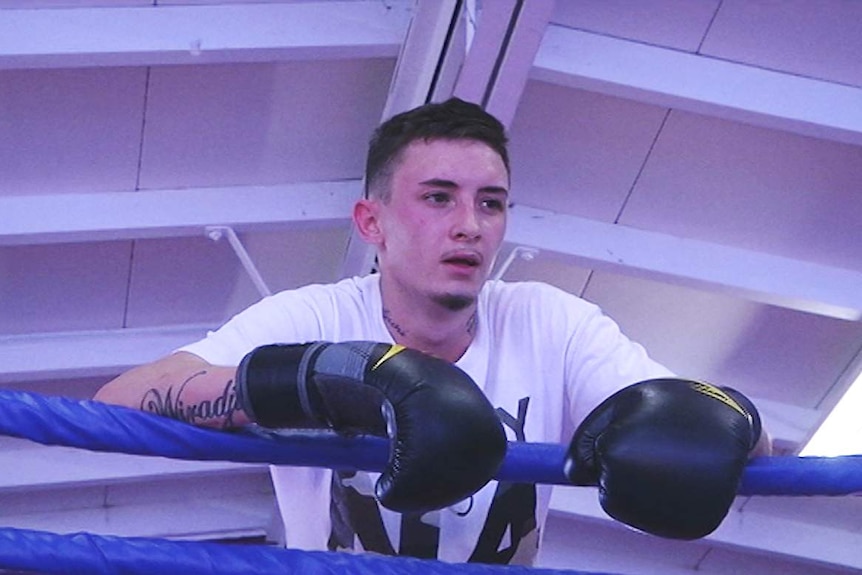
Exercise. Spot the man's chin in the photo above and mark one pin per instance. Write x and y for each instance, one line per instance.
(455, 301)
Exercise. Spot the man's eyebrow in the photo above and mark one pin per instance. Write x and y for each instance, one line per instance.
(449, 184)
(439, 183)
(495, 190)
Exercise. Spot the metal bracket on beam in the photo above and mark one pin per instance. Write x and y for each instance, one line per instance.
(216, 233)
(523, 252)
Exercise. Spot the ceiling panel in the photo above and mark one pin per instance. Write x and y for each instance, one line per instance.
(205, 2)
(820, 39)
(71, 3)
(197, 280)
(545, 267)
(835, 512)
(598, 548)
(261, 123)
(70, 130)
(679, 24)
(752, 187)
(578, 152)
(296, 257)
(768, 352)
(73, 388)
(185, 280)
(63, 287)
(721, 560)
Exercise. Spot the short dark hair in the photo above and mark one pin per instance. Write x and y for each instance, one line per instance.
(453, 119)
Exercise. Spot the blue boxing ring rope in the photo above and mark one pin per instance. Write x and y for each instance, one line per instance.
(99, 427)
(84, 553)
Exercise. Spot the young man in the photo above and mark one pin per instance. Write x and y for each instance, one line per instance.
(436, 203)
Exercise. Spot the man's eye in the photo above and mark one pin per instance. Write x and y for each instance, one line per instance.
(494, 205)
(437, 197)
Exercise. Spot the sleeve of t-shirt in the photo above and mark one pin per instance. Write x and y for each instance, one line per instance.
(294, 316)
(602, 360)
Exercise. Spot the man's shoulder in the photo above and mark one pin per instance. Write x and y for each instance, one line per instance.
(356, 287)
(528, 292)
(532, 297)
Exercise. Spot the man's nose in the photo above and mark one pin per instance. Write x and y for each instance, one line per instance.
(467, 225)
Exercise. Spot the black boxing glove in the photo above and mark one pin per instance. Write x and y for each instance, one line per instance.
(667, 455)
(447, 440)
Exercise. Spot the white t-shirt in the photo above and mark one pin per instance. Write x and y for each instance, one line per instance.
(543, 357)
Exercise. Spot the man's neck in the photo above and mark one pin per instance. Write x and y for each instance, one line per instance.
(430, 327)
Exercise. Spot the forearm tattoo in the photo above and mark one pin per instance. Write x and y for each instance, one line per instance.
(203, 412)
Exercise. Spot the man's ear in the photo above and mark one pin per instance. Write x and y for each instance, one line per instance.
(365, 217)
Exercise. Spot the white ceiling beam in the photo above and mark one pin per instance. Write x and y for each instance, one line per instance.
(700, 84)
(51, 218)
(48, 356)
(516, 62)
(488, 25)
(118, 36)
(794, 284)
(426, 46)
(450, 49)
(236, 515)
(742, 529)
(789, 426)
(508, 35)
(45, 357)
(73, 490)
(428, 55)
(32, 466)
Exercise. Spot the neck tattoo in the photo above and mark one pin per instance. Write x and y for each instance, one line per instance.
(392, 323)
(471, 324)
(396, 327)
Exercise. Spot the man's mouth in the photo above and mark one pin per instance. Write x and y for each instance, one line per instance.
(463, 259)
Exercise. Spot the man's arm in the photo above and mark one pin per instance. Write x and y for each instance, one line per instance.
(180, 386)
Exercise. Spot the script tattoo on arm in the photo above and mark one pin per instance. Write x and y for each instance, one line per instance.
(206, 412)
